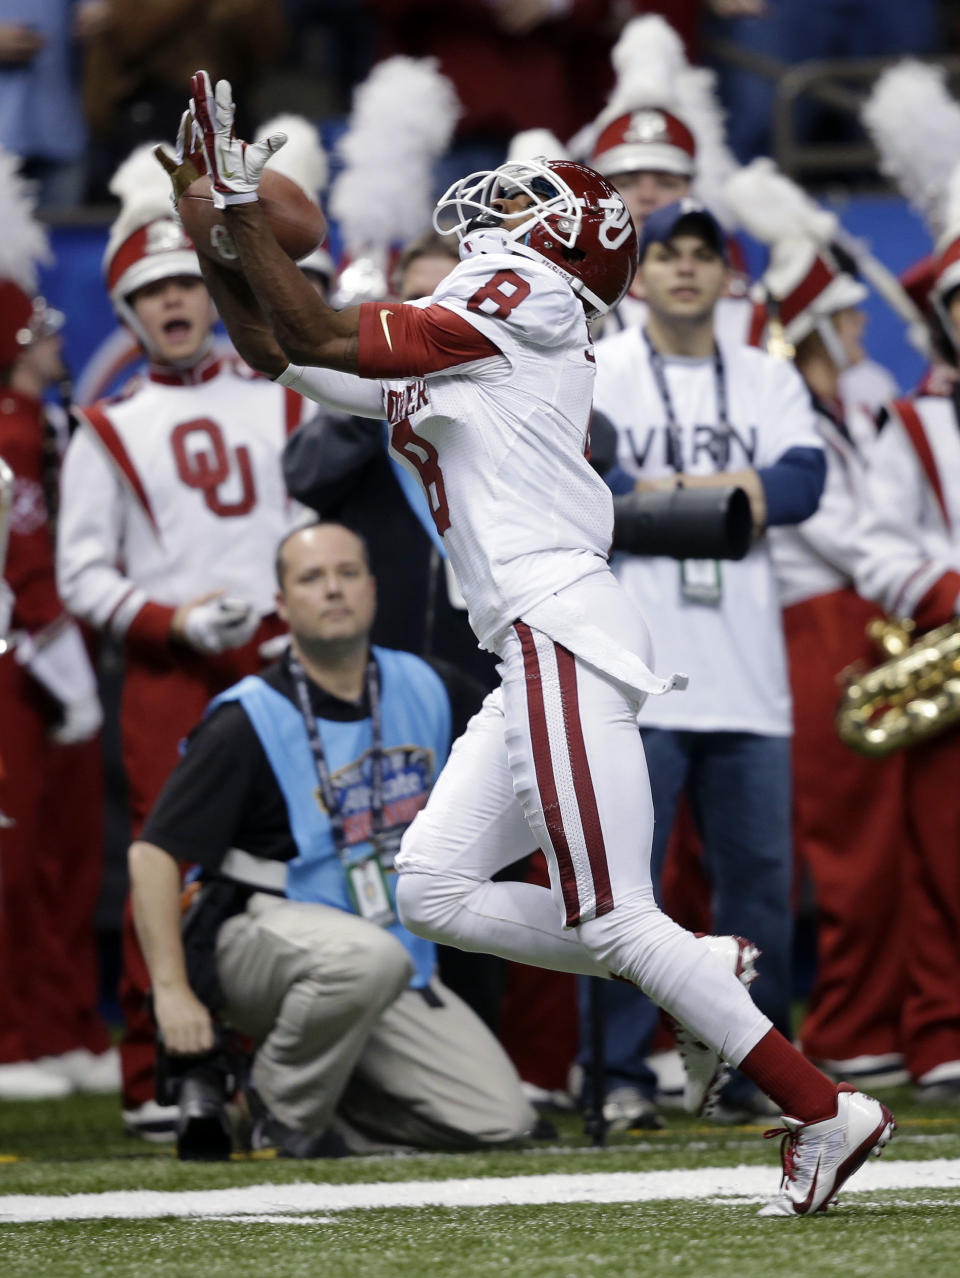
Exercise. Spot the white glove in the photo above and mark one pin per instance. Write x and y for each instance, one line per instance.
(235, 167)
(219, 624)
(62, 667)
(81, 721)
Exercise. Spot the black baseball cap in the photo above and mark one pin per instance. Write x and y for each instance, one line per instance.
(682, 215)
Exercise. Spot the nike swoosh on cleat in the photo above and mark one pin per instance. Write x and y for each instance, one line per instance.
(802, 1208)
(385, 317)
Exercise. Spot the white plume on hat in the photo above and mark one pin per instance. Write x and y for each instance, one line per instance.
(402, 120)
(647, 59)
(24, 244)
(531, 144)
(950, 211)
(914, 122)
(653, 71)
(698, 106)
(947, 267)
(774, 209)
(303, 160)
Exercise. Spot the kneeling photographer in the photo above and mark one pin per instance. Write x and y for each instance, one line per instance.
(292, 797)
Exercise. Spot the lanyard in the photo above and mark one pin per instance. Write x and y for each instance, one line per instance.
(674, 445)
(327, 792)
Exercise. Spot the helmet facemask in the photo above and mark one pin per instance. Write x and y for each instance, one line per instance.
(467, 206)
(576, 224)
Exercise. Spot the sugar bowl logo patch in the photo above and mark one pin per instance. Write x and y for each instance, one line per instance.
(408, 773)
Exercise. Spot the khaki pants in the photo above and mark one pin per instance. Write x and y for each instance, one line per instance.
(343, 1041)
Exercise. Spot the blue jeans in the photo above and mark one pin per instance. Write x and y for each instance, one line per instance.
(738, 785)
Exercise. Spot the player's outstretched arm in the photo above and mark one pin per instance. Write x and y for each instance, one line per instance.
(244, 320)
(307, 330)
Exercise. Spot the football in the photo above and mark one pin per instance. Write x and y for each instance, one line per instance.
(297, 222)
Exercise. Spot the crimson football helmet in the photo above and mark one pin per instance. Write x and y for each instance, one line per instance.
(576, 223)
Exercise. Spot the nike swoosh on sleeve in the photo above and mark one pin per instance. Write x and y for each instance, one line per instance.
(385, 317)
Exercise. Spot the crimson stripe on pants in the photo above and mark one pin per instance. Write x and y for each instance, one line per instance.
(546, 782)
(583, 782)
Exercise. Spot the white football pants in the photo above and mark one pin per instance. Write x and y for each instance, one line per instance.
(554, 760)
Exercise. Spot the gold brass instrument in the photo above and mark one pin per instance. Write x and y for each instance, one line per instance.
(910, 697)
(6, 509)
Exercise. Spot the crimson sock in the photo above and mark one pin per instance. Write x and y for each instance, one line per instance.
(787, 1077)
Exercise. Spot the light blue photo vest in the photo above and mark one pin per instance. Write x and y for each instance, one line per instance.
(415, 712)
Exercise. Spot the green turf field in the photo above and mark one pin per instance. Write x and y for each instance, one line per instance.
(295, 1217)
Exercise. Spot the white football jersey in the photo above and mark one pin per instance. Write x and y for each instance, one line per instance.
(520, 509)
(733, 650)
(174, 490)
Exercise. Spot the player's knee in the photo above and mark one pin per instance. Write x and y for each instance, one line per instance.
(428, 903)
(628, 938)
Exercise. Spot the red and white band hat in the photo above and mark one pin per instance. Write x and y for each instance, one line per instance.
(822, 290)
(646, 139)
(156, 251)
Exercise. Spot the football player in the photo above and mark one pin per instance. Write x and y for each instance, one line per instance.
(487, 386)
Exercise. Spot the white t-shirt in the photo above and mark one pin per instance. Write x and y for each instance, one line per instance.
(732, 651)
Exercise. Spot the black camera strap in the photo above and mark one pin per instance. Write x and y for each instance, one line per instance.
(674, 446)
(327, 792)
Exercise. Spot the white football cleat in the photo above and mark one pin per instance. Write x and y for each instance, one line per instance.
(819, 1157)
(707, 1071)
(86, 1071)
(27, 1081)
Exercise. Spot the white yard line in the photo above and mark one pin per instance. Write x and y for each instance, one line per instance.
(276, 1202)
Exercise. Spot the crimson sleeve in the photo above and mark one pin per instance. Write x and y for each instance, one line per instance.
(938, 605)
(396, 340)
(150, 628)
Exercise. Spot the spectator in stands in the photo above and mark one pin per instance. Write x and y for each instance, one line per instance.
(563, 49)
(40, 115)
(172, 496)
(293, 796)
(141, 56)
(692, 412)
(783, 33)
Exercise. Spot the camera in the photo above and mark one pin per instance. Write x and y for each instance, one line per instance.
(200, 1086)
(684, 523)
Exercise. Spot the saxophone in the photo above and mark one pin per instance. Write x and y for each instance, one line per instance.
(910, 697)
(6, 508)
